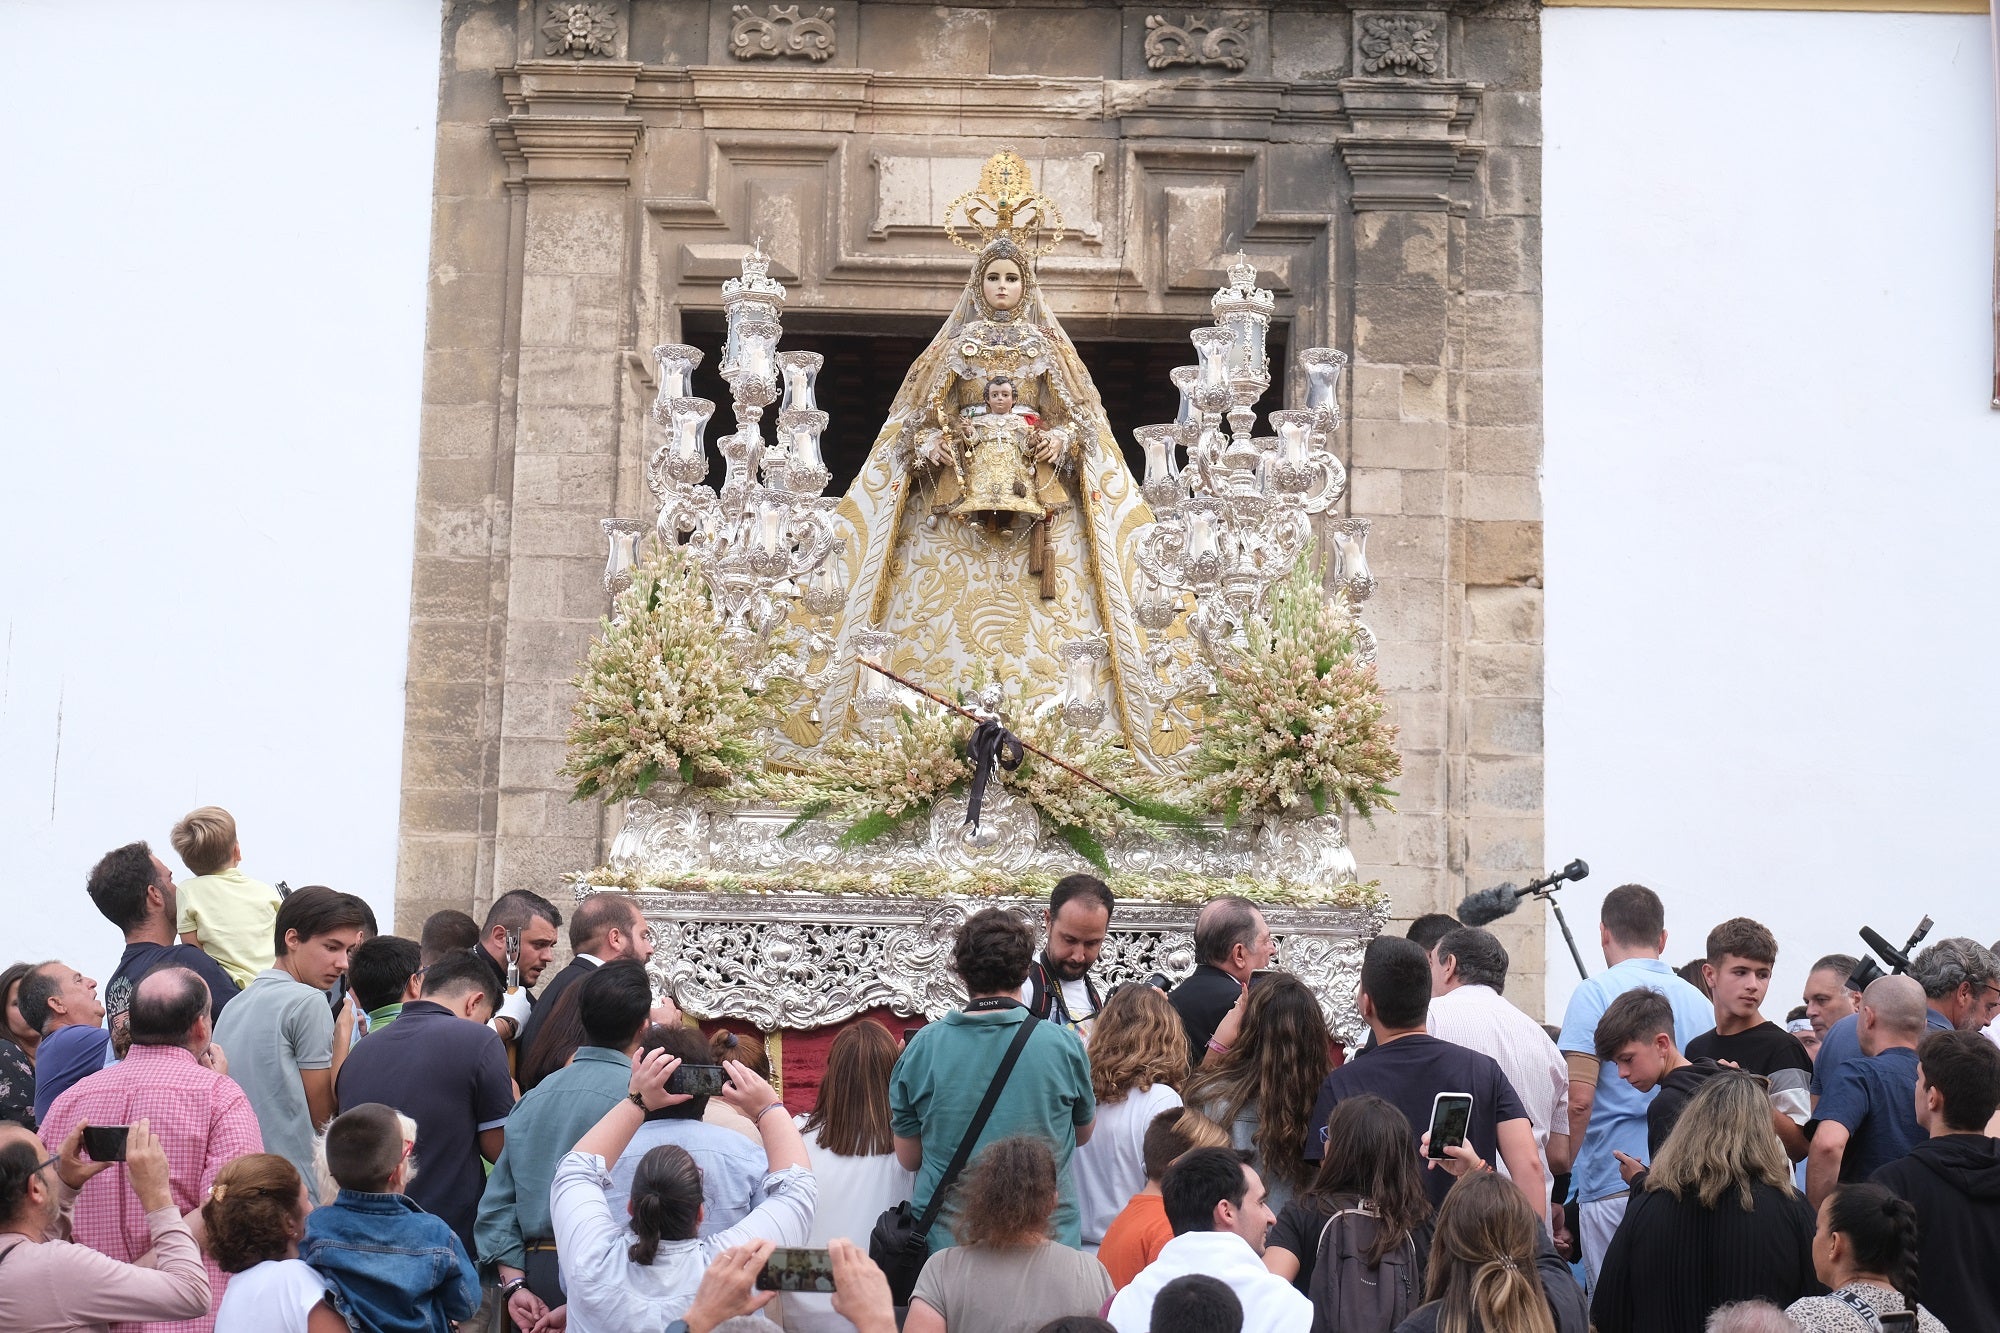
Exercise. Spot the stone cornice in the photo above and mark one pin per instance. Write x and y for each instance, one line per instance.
(1405, 143)
(571, 121)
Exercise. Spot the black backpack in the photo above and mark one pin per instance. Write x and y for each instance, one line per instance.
(1349, 1296)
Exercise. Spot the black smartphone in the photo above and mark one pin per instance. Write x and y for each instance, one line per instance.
(105, 1143)
(1451, 1116)
(1262, 973)
(910, 1035)
(698, 1080)
(797, 1270)
(338, 993)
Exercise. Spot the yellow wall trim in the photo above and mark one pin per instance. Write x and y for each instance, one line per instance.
(1821, 6)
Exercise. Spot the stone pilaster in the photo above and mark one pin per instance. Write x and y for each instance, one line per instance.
(569, 137)
(1446, 345)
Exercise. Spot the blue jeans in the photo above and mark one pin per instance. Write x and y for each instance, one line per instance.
(393, 1267)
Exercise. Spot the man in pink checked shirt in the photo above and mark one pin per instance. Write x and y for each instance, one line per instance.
(175, 1078)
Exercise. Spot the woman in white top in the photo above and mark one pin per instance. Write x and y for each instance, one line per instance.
(853, 1155)
(1138, 1061)
(1866, 1251)
(252, 1223)
(1006, 1275)
(645, 1276)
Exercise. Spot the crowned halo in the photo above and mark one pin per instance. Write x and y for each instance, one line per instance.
(1006, 203)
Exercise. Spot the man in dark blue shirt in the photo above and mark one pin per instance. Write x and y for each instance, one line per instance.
(1868, 1118)
(439, 1064)
(135, 891)
(1409, 1067)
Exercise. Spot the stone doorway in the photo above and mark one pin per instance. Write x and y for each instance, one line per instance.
(867, 355)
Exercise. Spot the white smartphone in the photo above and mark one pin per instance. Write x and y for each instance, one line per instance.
(1451, 1117)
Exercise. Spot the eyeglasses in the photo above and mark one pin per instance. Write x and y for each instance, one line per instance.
(45, 1163)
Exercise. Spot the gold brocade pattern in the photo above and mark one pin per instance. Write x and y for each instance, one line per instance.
(957, 593)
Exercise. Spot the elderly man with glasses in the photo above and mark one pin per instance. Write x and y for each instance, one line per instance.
(47, 1283)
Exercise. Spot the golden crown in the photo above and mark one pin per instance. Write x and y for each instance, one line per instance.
(1005, 203)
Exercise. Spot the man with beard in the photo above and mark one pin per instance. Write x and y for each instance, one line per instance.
(1059, 987)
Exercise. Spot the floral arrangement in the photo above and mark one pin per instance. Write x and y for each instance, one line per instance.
(660, 694)
(1166, 886)
(878, 782)
(1297, 716)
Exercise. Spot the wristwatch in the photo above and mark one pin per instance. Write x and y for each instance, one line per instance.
(510, 1286)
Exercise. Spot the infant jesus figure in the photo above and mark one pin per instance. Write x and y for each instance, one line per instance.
(1008, 470)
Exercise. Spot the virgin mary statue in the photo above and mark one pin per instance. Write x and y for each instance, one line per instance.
(992, 516)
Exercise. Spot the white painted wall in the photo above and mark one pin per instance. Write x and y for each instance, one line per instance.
(1771, 473)
(211, 332)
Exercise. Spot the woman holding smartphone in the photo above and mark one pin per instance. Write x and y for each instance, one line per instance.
(645, 1275)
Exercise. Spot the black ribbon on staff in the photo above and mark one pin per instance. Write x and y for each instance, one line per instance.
(991, 743)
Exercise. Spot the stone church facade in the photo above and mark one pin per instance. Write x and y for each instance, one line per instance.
(602, 167)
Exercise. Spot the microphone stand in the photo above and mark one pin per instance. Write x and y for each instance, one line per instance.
(1545, 889)
(1548, 895)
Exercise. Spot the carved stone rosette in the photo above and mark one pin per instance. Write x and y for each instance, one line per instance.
(580, 31)
(806, 960)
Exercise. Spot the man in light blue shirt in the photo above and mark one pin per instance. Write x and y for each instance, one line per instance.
(1607, 1115)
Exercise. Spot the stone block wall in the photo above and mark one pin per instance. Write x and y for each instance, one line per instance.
(602, 165)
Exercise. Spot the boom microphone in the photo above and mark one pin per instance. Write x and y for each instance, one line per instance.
(1897, 960)
(1489, 905)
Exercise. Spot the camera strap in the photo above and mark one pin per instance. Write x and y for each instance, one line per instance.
(979, 1119)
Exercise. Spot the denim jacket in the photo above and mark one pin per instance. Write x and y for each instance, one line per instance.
(393, 1267)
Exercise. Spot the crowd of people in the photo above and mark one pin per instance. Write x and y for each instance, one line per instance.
(275, 1118)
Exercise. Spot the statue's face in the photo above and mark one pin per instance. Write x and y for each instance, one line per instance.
(1002, 284)
(1000, 397)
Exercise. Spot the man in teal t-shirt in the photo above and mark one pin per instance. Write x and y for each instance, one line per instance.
(945, 1070)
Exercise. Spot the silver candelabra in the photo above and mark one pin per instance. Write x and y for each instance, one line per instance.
(766, 541)
(1236, 517)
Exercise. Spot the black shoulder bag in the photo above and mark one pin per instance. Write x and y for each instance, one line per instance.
(900, 1242)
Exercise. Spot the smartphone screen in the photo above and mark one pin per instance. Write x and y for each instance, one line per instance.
(698, 1080)
(1451, 1116)
(910, 1035)
(105, 1143)
(797, 1270)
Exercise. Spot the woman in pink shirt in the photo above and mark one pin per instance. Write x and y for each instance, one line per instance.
(48, 1285)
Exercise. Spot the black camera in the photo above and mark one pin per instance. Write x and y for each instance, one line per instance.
(1868, 969)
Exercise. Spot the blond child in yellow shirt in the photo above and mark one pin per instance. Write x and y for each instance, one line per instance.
(226, 913)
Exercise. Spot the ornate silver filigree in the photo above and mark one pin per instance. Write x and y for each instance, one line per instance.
(1199, 39)
(781, 32)
(682, 830)
(805, 960)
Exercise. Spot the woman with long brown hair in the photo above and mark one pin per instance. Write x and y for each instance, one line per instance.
(1006, 1272)
(853, 1154)
(1138, 1060)
(252, 1223)
(1716, 1220)
(1263, 1087)
(1368, 1165)
(1492, 1269)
